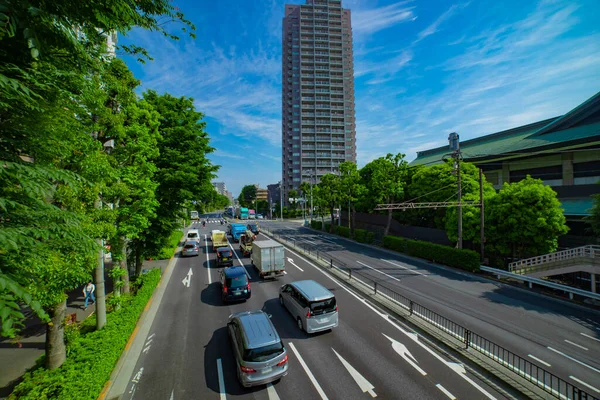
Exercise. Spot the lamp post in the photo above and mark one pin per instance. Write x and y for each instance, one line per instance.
(281, 199)
(454, 144)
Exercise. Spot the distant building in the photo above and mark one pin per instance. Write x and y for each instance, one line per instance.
(562, 151)
(273, 193)
(220, 187)
(229, 196)
(262, 194)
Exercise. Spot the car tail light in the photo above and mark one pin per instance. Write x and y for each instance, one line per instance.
(225, 289)
(248, 286)
(308, 315)
(280, 363)
(247, 370)
(336, 307)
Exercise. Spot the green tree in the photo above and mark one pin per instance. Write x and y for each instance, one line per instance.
(385, 181)
(525, 219)
(330, 193)
(183, 169)
(293, 195)
(352, 189)
(247, 196)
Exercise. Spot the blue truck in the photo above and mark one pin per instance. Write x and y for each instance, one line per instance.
(237, 230)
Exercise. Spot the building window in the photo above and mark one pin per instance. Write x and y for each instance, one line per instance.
(296, 129)
(296, 179)
(296, 154)
(296, 105)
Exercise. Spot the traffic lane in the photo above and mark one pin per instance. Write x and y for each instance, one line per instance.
(166, 340)
(504, 329)
(368, 338)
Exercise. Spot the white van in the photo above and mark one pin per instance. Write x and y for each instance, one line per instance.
(311, 304)
(193, 234)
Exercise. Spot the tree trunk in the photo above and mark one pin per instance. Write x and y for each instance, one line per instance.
(388, 224)
(123, 264)
(353, 220)
(138, 258)
(332, 221)
(55, 336)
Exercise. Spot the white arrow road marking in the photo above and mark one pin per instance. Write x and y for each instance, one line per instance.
(172, 394)
(272, 392)
(404, 353)
(221, 380)
(308, 372)
(186, 281)
(360, 380)
(292, 262)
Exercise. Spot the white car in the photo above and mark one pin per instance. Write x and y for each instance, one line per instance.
(259, 216)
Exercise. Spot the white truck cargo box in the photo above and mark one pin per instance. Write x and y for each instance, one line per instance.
(268, 257)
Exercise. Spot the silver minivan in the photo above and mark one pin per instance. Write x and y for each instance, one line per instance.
(260, 354)
(311, 304)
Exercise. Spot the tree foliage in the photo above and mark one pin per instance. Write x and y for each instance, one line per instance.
(525, 219)
(247, 196)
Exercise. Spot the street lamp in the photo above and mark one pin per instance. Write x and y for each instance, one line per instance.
(454, 144)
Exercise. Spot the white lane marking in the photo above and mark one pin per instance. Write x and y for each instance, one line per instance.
(308, 372)
(584, 383)
(539, 360)
(403, 267)
(292, 262)
(221, 380)
(573, 359)
(309, 241)
(385, 317)
(593, 338)
(151, 336)
(188, 278)
(172, 394)
(576, 345)
(360, 380)
(207, 261)
(404, 353)
(240, 261)
(445, 391)
(381, 272)
(272, 392)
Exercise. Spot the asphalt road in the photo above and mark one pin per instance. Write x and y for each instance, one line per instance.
(188, 355)
(560, 337)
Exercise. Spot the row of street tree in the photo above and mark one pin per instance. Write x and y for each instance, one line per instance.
(522, 219)
(85, 161)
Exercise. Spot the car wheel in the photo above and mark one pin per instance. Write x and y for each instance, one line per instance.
(299, 321)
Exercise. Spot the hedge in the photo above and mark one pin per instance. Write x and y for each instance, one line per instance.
(316, 224)
(92, 356)
(342, 231)
(450, 256)
(364, 236)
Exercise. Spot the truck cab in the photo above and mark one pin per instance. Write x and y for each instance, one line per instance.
(237, 230)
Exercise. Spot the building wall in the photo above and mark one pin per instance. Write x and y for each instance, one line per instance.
(262, 194)
(220, 187)
(318, 119)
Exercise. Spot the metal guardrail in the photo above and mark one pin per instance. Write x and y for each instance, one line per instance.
(539, 263)
(527, 370)
(543, 282)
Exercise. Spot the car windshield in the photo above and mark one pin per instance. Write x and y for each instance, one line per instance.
(322, 307)
(263, 353)
(236, 281)
(192, 235)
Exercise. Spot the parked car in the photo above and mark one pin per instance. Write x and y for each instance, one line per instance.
(254, 228)
(259, 352)
(313, 306)
(234, 284)
(190, 248)
(224, 257)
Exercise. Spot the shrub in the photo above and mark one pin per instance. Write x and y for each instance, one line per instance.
(169, 249)
(342, 231)
(91, 356)
(459, 258)
(364, 236)
(316, 224)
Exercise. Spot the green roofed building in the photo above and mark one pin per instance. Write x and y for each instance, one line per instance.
(563, 151)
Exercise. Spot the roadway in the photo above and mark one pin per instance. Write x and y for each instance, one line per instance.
(188, 356)
(560, 337)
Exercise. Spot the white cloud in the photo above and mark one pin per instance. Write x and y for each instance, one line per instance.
(368, 21)
(433, 28)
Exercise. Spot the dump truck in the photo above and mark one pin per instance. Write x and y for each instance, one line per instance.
(268, 257)
(246, 241)
(219, 239)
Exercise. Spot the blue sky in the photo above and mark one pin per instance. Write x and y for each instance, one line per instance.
(423, 68)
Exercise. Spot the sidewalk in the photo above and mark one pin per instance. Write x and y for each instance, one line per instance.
(17, 357)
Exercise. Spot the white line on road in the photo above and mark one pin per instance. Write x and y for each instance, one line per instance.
(445, 391)
(221, 380)
(385, 317)
(207, 261)
(584, 383)
(573, 359)
(272, 392)
(172, 394)
(401, 349)
(381, 272)
(360, 380)
(539, 360)
(593, 338)
(576, 345)
(240, 261)
(292, 262)
(308, 372)
(403, 267)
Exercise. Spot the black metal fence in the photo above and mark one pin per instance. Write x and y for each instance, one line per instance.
(536, 375)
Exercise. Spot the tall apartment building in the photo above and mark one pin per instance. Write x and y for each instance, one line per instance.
(318, 121)
(219, 187)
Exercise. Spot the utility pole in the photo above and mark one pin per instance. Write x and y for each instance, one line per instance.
(454, 143)
(281, 199)
(482, 216)
(99, 278)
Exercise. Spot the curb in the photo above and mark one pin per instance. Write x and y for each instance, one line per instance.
(120, 372)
